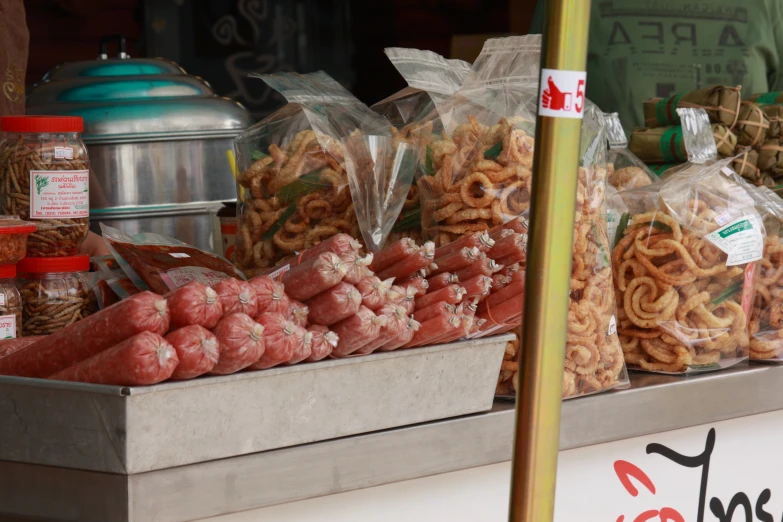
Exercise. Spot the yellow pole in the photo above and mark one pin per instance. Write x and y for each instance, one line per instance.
(534, 468)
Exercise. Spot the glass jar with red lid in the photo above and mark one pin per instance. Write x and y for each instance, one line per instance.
(13, 239)
(54, 293)
(44, 177)
(10, 304)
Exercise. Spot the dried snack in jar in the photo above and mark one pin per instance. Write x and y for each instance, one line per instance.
(44, 177)
(684, 268)
(144, 359)
(241, 343)
(10, 304)
(161, 264)
(13, 238)
(324, 341)
(198, 351)
(294, 188)
(144, 312)
(281, 336)
(54, 293)
(195, 304)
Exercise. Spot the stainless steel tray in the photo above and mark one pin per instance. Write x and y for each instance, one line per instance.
(133, 430)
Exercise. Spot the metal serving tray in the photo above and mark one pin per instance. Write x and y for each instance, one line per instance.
(125, 430)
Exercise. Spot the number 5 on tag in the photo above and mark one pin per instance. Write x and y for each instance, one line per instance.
(562, 93)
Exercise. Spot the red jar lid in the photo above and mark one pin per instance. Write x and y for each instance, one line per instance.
(41, 124)
(7, 271)
(14, 225)
(43, 265)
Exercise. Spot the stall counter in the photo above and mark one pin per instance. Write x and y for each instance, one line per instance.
(612, 445)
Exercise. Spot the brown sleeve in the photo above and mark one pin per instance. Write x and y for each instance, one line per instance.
(14, 45)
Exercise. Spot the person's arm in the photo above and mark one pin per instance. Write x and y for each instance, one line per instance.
(537, 23)
(94, 245)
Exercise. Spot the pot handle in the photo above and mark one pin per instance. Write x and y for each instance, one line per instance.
(106, 40)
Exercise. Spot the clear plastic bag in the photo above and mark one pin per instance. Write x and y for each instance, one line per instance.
(766, 321)
(625, 169)
(684, 266)
(160, 264)
(431, 79)
(474, 161)
(297, 171)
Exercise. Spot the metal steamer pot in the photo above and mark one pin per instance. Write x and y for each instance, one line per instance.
(159, 142)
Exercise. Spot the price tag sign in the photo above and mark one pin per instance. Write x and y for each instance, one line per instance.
(562, 93)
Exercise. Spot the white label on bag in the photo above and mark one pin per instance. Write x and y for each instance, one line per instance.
(724, 218)
(63, 153)
(7, 327)
(612, 326)
(177, 277)
(280, 271)
(741, 240)
(179, 255)
(59, 194)
(562, 93)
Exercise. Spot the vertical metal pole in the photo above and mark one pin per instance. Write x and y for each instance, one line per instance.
(547, 281)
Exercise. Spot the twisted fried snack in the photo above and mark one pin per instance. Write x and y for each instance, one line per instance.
(680, 302)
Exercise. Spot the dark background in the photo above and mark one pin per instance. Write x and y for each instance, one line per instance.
(222, 40)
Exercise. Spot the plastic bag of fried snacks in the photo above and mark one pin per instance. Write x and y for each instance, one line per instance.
(293, 167)
(684, 263)
(431, 80)
(474, 161)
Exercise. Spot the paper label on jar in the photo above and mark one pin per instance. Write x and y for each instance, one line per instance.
(63, 153)
(2, 299)
(741, 240)
(177, 277)
(7, 327)
(59, 194)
